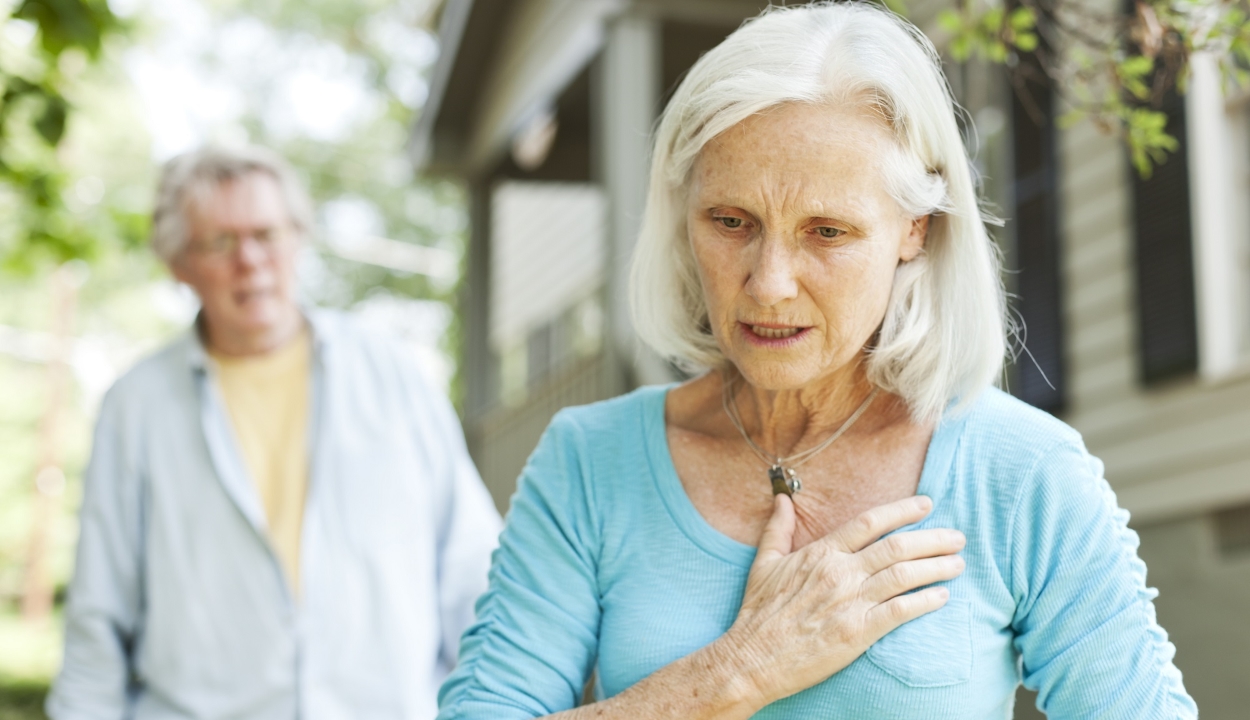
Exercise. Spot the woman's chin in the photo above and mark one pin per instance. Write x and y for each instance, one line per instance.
(777, 375)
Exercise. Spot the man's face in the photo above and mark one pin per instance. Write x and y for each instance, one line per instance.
(240, 259)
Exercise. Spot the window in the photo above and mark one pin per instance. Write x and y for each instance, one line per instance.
(1167, 330)
(1039, 370)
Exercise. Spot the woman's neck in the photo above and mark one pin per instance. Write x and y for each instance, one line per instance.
(783, 422)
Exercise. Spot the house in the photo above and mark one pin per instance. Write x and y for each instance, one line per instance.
(1135, 294)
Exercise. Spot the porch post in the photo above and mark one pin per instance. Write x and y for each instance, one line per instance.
(627, 95)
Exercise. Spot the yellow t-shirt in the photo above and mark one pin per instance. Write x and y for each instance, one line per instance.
(267, 398)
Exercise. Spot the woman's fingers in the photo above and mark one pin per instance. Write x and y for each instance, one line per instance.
(861, 531)
(778, 538)
(912, 545)
(888, 615)
(902, 577)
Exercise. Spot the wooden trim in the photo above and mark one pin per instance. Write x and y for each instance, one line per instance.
(547, 45)
(451, 27)
(1215, 202)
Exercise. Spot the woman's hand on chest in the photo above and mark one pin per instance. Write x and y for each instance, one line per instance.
(808, 613)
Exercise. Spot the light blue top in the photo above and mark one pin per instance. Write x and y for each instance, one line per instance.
(179, 608)
(605, 564)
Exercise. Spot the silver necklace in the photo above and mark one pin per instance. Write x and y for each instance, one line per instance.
(781, 470)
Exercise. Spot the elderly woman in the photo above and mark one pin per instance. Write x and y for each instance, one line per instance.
(735, 545)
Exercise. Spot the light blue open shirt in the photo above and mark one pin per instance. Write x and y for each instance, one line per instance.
(606, 564)
(178, 606)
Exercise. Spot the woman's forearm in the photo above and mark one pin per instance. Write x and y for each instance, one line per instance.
(709, 683)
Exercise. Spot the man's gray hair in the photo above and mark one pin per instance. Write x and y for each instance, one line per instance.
(943, 335)
(187, 177)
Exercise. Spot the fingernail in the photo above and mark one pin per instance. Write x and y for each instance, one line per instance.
(924, 502)
(944, 593)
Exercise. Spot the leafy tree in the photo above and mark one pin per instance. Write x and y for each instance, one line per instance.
(1114, 69)
(38, 82)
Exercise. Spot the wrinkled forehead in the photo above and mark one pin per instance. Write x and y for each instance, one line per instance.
(799, 149)
(249, 201)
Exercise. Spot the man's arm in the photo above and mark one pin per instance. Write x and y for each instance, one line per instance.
(472, 534)
(102, 615)
(468, 530)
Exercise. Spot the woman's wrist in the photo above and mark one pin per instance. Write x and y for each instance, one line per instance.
(712, 683)
(733, 669)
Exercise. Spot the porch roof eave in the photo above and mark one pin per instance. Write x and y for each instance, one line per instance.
(501, 63)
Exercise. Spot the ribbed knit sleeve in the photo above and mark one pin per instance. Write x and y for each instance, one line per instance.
(1085, 624)
(534, 642)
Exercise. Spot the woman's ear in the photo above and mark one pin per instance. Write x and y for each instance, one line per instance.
(913, 244)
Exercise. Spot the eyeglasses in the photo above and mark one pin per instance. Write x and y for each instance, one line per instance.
(224, 244)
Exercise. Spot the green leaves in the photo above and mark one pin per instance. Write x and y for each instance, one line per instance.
(1133, 74)
(51, 122)
(38, 228)
(990, 34)
(65, 24)
(1148, 140)
(1108, 68)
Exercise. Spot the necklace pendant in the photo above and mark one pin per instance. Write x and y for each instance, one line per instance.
(793, 481)
(784, 480)
(781, 484)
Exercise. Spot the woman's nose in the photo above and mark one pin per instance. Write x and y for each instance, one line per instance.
(772, 279)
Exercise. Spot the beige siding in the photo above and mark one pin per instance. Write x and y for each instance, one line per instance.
(1171, 451)
(1202, 603)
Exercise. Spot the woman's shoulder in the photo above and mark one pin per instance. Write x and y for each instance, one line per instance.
(1004, 427)
(600, 442)
(1016, 455)
(590, 455)
(619, 418)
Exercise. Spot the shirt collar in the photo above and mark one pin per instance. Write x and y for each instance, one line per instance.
(197, 354)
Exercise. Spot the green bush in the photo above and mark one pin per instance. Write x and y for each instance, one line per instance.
(22, 700)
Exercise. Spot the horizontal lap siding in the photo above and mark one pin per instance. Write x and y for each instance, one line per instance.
(1170, 450)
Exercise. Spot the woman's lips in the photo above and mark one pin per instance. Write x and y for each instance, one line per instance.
(773, 336)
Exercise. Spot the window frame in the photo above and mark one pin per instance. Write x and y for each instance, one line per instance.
(1219, 139)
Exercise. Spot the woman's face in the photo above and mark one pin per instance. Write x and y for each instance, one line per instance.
(796, 240)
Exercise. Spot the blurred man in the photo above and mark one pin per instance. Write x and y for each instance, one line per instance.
(279, 518)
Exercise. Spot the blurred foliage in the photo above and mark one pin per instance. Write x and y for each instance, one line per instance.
(48, 48)
(1114, 69)
(22, 700)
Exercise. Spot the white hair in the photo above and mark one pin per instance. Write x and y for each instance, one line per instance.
(943, 335)
(187, 177)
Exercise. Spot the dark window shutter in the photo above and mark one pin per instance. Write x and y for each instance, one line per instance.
(1167, 325)
(1039, 371)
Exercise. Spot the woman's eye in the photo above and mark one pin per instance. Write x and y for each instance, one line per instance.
(729, 221)
(828, 232)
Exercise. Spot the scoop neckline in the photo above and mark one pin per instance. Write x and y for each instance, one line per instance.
(933, 475)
